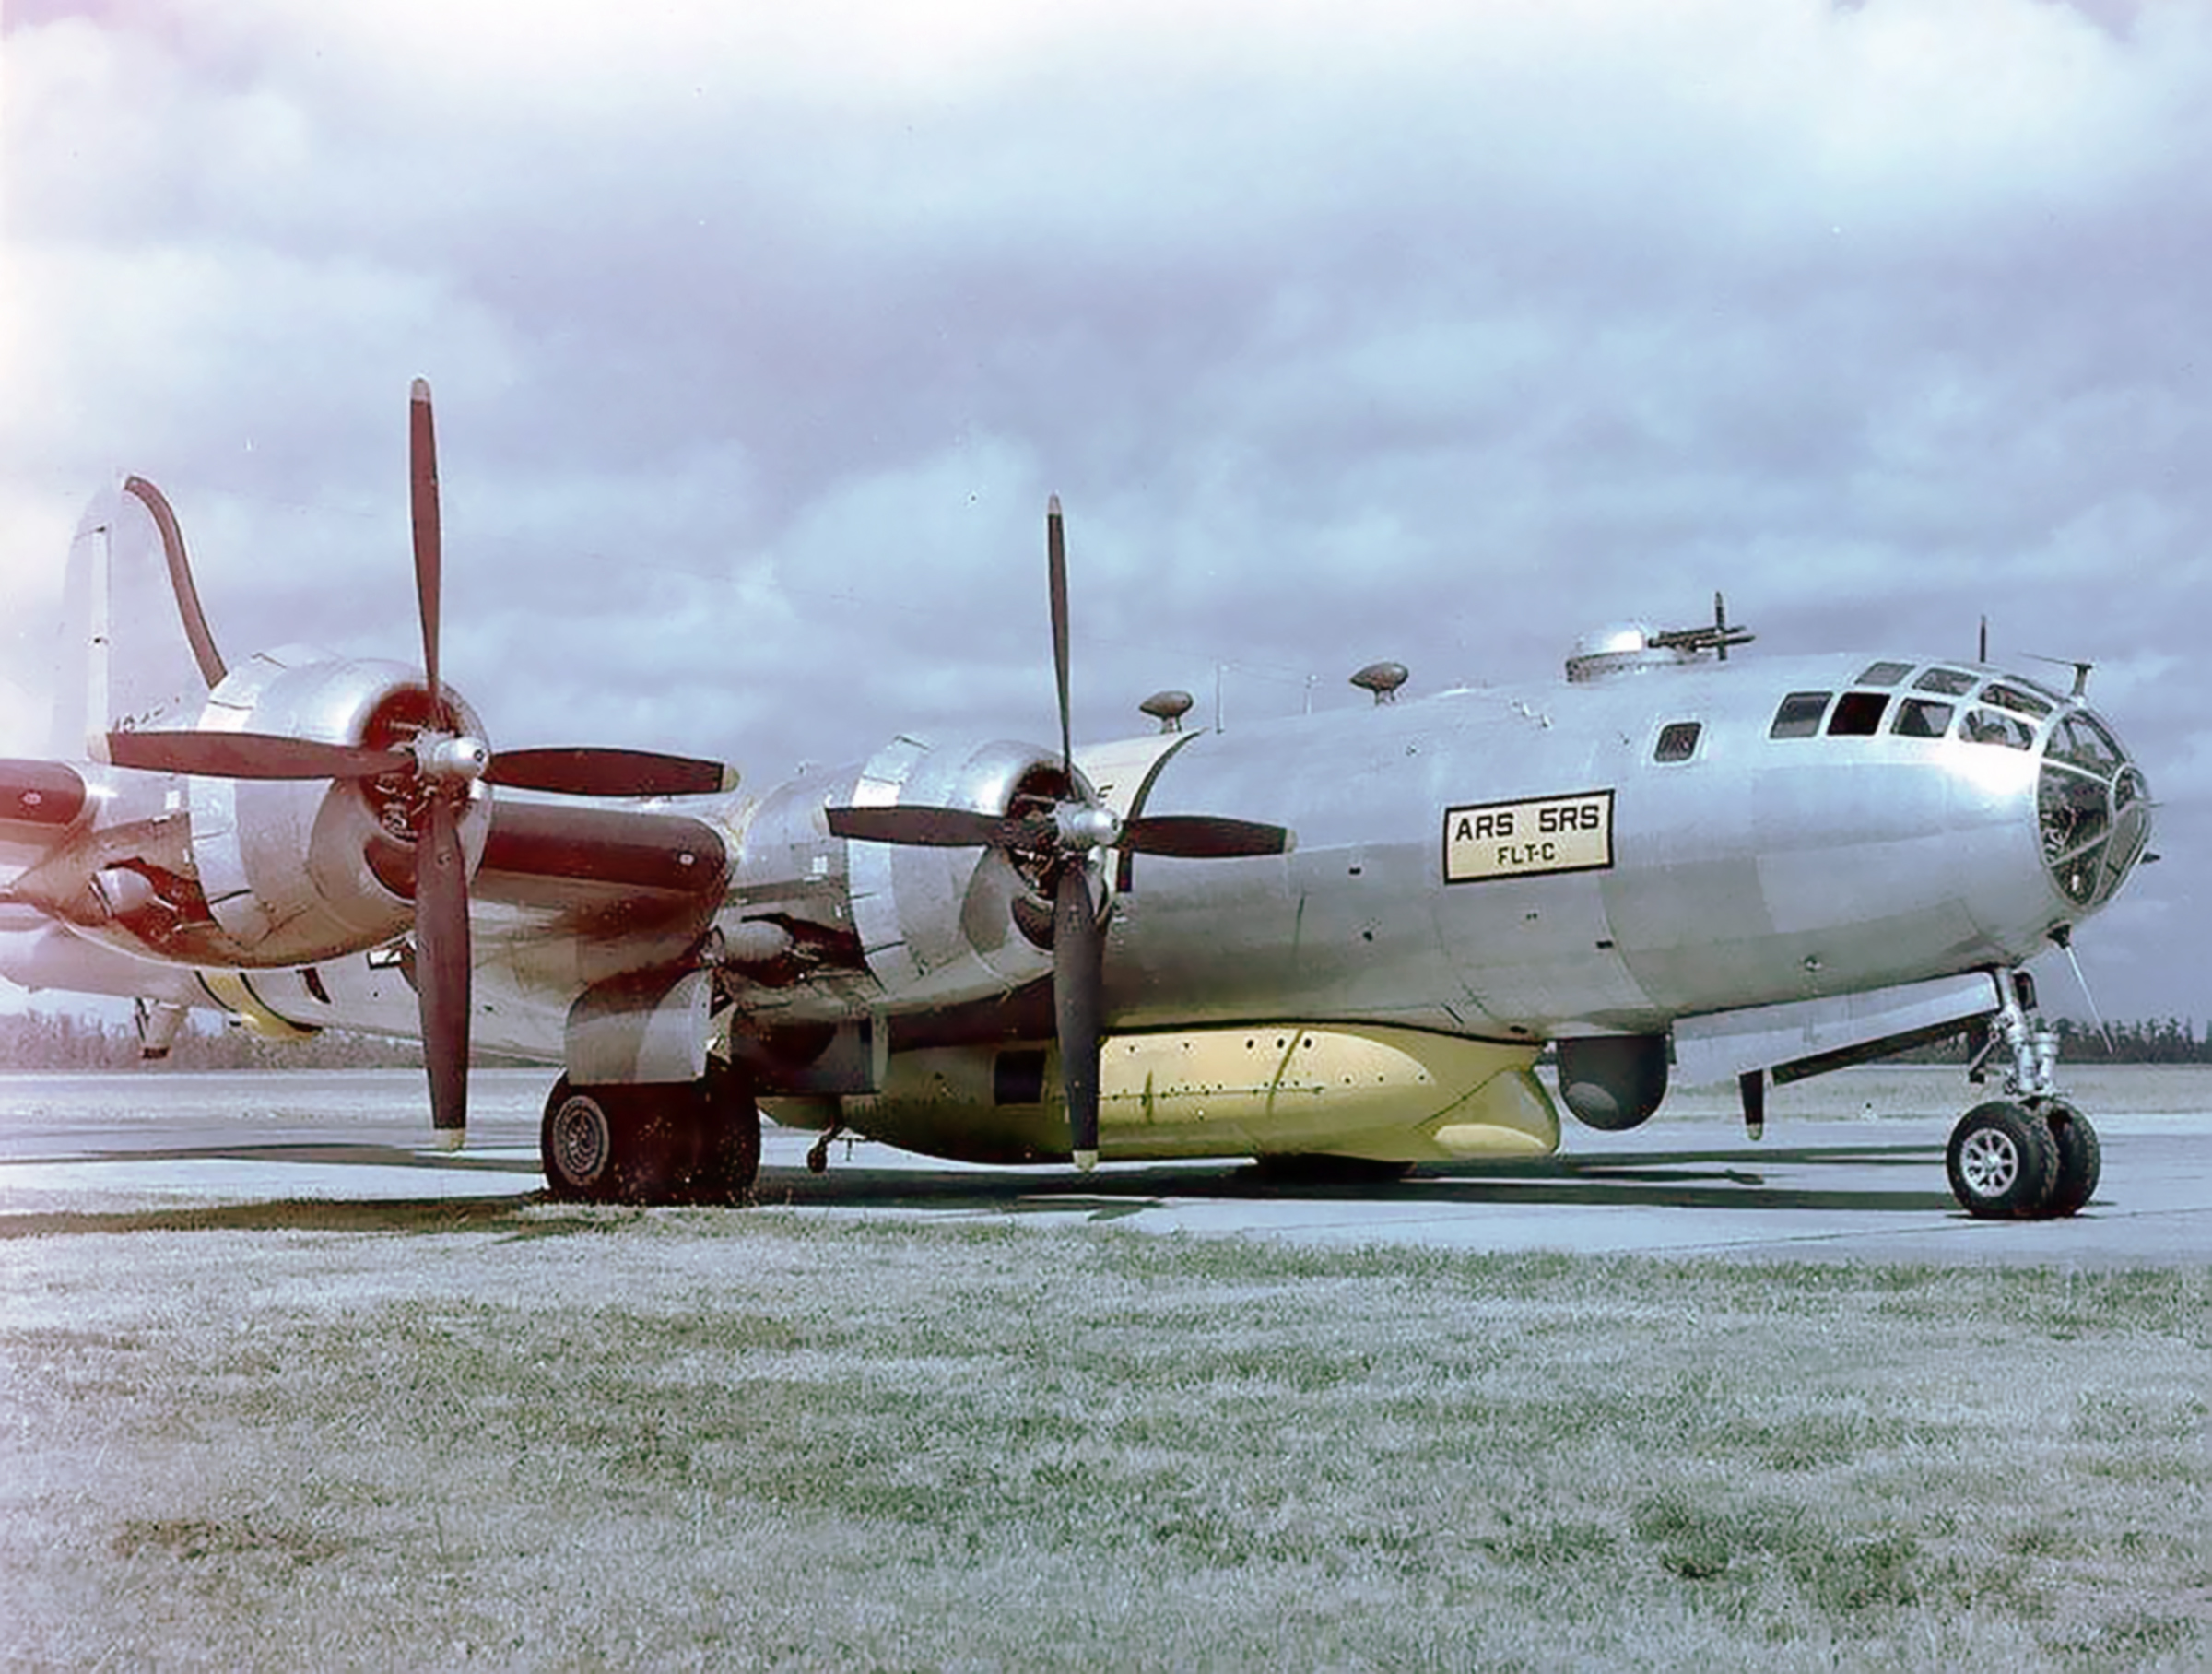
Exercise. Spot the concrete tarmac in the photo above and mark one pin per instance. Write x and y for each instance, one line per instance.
(76, 1155)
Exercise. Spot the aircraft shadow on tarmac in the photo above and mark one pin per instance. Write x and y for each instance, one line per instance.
(1691, 1180)
(1704, 1179)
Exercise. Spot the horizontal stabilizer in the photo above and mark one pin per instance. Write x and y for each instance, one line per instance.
(40, 793)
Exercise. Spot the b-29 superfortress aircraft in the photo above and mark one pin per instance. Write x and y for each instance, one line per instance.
(1337, 941)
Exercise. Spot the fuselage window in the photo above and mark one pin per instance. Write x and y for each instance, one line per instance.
(1945, 682)
(1994, 727)
(1883, 674)
(1858, 714)
(1799, 716)
(1921, 719)
(1677, 741)
(2013, 698)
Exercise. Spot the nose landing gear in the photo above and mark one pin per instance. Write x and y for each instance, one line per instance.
(2030, 1156)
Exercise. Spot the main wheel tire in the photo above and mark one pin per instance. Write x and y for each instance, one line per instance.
(618, 1144)
(683, 1142)
(2080, 1159)
(2003, 1161)
(579, 1145)
(727, 1157)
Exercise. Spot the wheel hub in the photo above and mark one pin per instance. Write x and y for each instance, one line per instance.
(1989, 1161)
(581, 1141)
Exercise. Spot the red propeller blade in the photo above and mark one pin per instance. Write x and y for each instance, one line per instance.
(580, 771)
(430, 564)
(227, 755)
(1055, 553)
(442, 965)
(1078, 1003)
(1203, 837)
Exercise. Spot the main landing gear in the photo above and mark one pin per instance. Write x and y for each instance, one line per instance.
(682, 1142)
(2031, 1155)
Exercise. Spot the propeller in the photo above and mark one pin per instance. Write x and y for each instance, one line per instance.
(571, 770)
(1063, 842)
(444, 765)
(441, 962)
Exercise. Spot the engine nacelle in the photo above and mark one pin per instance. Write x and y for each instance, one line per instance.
(939, 925)
(929, 924)
(285, 872)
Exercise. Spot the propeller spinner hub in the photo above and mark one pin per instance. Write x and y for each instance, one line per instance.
(1084, 826)
(456, 760)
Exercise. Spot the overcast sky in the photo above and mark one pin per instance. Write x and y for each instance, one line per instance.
(1442, 333)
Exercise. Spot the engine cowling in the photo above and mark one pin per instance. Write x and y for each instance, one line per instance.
(281, 872)
(946, 925)
(936, 925)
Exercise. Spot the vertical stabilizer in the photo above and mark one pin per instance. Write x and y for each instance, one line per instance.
(134, 649)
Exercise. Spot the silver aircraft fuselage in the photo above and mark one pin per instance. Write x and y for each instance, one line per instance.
(1698, 861)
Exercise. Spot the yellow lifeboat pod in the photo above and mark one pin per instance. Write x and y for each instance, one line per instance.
(1373, 1093)
(1376, 1092)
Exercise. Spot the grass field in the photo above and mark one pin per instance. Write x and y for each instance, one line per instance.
(401, 1437)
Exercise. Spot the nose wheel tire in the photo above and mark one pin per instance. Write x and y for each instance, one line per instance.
(2019, 1161)
(2002, 1161)
(2080, 1159)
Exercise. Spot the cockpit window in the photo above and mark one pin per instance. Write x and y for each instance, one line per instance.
(2078, 740)
(2075, 815)
(1799, 716)
(1883, 674)
(1858, 714)
(1921, 719)
(2093, 806)
(1677, 741)
(1994, 727)
(2021, 702)
(1945, 682)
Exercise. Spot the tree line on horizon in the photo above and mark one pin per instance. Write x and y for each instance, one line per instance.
(2148, 1041)
(59, 1041)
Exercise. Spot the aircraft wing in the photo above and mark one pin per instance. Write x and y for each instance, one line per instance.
(600, 865)
(567, 896)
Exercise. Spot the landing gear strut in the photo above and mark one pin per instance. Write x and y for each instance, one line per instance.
(682, 1142)
(2031, 1155)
